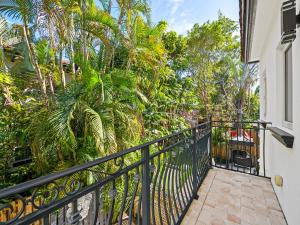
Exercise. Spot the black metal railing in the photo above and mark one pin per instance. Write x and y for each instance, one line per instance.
(239, 146)
(153, 183)
(22, 156)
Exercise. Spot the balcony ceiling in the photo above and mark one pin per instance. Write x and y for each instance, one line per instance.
(267, 14)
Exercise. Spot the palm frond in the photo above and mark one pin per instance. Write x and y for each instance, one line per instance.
(95, 127)
(3, 27)
(18, 9)
(60, 129)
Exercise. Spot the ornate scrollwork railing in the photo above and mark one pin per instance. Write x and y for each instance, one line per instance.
(153, 183)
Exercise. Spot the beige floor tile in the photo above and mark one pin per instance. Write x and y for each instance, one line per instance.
(231, 198)
(233, 218)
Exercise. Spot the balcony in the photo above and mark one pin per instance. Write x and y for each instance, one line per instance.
(158, 183)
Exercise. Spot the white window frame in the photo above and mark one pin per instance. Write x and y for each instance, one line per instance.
(285, 123)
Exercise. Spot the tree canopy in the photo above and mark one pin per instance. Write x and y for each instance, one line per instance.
(80, 81)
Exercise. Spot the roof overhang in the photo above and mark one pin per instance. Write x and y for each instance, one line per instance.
(247, 22)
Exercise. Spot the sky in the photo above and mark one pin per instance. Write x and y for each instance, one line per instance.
(183, 14)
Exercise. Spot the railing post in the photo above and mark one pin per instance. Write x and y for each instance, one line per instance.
(210, 145)
(257, 147)
(194, 161)
(264, 147)
(146, 186)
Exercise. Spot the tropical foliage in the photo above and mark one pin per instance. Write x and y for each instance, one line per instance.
(81, 79)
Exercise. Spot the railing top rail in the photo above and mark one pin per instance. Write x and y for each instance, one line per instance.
(234, 121)
(19, 188)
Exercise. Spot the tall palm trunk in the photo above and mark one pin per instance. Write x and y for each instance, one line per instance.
(84, 35)
(72, 58)
(33, 59)
(51, 83)
(51, 36)
(240, 105)
(72, 47)
(107, 49)
(61, 66)
(52, 46)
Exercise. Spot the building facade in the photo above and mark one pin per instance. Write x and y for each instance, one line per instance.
(262, 40)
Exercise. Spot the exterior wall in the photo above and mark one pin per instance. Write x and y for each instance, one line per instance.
(279, 159)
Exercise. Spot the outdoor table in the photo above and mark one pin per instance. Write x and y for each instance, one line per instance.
(240, 140)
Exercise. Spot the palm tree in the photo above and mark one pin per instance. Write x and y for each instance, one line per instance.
(245, 76)
(24, 10)
(56, 133)
(77, 122)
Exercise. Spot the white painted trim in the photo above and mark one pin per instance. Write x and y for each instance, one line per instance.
(288, 125)
(280, 77)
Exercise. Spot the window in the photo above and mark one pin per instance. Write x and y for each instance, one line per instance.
(288, 84)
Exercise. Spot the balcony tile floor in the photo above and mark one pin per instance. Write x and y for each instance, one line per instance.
(230, 198)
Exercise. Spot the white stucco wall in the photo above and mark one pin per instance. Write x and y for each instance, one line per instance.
(280, 160)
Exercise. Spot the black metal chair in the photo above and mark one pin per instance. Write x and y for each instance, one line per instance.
(242, 159)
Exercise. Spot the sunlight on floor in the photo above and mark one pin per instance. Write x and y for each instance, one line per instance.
(234, 198)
